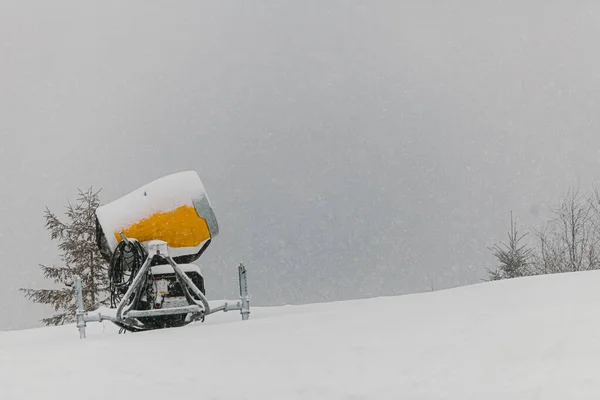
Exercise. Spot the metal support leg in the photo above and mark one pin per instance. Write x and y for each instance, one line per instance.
(184, 279)
(245, 311)
(137, 281)
(80, 312)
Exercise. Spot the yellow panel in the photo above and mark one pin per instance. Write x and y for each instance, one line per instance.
(182, 227)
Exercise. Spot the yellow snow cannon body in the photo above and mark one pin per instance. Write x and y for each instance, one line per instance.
(174, 209)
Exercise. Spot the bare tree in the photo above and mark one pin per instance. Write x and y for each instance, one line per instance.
(80, 255)
(548, 259)
(574, 215)
(569, 242)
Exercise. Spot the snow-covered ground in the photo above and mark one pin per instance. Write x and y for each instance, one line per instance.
(531, 338)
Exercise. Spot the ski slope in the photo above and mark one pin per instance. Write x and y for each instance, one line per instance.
(530, 338)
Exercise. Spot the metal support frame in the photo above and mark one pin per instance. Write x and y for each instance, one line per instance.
(197, 309)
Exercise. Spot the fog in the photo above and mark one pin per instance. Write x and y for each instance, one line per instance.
(350, 149)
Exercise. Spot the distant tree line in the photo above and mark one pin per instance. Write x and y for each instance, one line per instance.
(569, 242)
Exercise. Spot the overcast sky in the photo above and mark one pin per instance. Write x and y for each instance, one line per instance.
(350, 148)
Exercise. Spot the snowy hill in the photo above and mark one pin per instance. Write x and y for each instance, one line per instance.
(531, 338)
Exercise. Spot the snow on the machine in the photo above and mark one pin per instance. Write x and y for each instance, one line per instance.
(529, 338)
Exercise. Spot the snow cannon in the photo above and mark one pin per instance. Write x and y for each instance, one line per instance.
(174, 209)
(151, 238)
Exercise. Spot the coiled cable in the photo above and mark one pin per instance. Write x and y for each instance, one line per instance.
(126, 261)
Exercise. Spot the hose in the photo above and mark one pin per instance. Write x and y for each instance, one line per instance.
(126, 261)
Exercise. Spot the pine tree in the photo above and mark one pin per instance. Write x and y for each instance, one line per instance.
(514, 258)
(80, 256)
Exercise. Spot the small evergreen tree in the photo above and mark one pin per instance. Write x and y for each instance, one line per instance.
(514, 257)
(80, 256)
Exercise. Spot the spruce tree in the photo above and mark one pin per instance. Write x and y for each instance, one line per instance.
(514, 257)
(80, 256)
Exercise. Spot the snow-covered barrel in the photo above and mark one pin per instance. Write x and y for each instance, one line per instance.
(175, 209)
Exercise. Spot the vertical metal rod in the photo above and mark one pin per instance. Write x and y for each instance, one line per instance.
(80, 312)
(244, 292)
